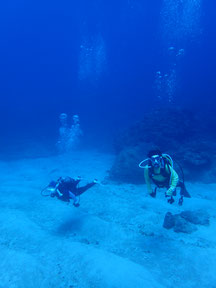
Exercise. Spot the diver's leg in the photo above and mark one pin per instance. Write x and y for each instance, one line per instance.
(81, 190)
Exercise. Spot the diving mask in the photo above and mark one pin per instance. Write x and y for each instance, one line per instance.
(156, 161)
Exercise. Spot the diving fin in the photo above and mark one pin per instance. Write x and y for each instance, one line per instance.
(184, 192)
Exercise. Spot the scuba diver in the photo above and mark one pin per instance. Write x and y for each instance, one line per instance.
(66, 189)
(159, 169)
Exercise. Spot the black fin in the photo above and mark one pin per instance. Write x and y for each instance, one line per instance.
(185, 193)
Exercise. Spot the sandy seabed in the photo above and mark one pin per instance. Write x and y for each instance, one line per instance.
(115, 239)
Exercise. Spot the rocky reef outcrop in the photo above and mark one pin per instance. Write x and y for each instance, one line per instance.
(181, 133)
(186, 221)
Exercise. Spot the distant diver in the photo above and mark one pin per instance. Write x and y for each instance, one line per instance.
(66, 189)
(69, 137)
(158, 168)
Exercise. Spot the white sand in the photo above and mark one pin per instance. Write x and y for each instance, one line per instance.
(114, 239)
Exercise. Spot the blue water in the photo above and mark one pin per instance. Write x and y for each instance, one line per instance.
(98, 59)
(109, 62)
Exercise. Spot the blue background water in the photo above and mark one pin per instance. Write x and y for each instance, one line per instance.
(41, 44)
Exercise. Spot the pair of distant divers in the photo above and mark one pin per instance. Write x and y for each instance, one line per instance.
(158, 168)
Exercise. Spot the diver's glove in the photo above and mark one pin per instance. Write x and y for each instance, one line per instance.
(169, 193)
(170, 200)
(76, 203)
(153, 194)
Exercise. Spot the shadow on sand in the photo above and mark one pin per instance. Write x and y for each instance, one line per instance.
(70, 226)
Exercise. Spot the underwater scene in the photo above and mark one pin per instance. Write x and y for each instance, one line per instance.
(108, 144)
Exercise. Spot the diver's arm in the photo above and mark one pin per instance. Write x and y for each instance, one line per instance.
(147, 180)
(58, 192)
(72, 196)
(75, 199)
(173, 181)
(55, 193)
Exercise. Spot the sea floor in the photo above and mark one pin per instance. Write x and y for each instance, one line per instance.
(115, 239)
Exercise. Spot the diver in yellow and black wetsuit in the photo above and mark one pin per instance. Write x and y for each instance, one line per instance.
(160, 171)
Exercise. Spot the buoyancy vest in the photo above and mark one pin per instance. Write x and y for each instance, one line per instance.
(164, 171)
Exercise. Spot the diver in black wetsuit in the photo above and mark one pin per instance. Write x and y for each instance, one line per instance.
(66, 189)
